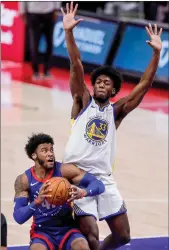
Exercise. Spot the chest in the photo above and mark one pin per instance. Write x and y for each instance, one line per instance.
(45, 208)
(105, 113)
(34, 188)
(95, 119)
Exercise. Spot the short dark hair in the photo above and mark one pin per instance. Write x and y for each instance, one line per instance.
(112, 73)
(35, 140)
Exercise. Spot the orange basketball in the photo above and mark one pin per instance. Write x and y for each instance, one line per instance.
(60, 191)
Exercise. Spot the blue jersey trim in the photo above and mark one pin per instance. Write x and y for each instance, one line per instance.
(56, 172)
(29, 176)
(101, 109)
(83, 110)
(114, 112)
(57, 169)
(112, 215)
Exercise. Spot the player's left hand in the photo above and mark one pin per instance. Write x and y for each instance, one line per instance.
(155, 37)
(76, 193)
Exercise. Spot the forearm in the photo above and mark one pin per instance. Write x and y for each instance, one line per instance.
(92, 186)
(149, 74)
(144, 84)
(23, 211)
(72, 48)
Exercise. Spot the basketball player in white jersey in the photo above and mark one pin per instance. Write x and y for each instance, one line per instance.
(91, 145)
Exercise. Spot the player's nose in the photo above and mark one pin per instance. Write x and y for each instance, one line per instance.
(50, 154)
(101, 85)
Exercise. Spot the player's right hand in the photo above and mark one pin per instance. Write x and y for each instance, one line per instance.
(43, 192)
(69, 21)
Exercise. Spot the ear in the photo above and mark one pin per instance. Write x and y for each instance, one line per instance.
(34, 156)
(113, 91)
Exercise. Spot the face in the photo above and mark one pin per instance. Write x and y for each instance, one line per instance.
(103, 88)
(44, 155)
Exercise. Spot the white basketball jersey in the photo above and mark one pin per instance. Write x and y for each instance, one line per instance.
(91, 145)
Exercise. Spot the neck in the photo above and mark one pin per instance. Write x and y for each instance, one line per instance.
(100, 102)
(40, 171)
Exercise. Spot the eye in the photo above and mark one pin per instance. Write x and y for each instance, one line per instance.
(51, 150)
(98, 81)
(44, 150)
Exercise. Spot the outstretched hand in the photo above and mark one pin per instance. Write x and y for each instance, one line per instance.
(155, 37)
(69, 21)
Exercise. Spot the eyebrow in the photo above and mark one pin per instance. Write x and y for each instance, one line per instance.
(46, 148)
(105, 80)
(43, 148)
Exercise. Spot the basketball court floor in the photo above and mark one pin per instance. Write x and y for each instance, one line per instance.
(141, 168)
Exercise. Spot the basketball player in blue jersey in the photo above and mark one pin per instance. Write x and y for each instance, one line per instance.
(91, 145)
(53, 226)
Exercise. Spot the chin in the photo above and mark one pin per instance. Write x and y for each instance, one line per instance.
(101, 98)
(50, 166)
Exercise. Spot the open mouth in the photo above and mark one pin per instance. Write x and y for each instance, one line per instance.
(51, 160)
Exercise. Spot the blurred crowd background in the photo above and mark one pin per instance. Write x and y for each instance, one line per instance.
(150, 10)
(108, 30)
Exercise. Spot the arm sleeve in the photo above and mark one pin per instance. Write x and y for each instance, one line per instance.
(92, 185)
(23, 211)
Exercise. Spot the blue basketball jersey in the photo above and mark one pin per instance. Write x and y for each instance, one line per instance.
(48, 216)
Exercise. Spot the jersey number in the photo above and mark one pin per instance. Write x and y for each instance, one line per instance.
(47, 205)
(102, 127)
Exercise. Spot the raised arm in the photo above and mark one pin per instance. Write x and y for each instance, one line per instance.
(78, 87)
(130, 102)
(89, 185)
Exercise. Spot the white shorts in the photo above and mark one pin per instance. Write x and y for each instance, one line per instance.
(108, 204)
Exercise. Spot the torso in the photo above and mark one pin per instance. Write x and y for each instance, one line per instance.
(91, 145)
(47, 215)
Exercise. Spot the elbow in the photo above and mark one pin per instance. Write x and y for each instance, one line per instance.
(101, 187)
(17, 218)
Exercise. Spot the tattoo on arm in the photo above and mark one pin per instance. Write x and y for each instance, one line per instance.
(21, 187)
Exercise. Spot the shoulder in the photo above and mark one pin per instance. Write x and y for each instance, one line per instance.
(120, 102)
(58, 165)
(22, 179)
(57, 169)
(64, 167)
(118, 106)
(69, 170)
